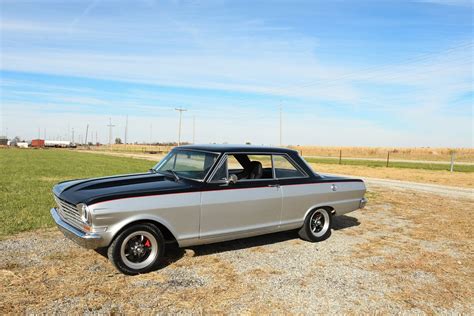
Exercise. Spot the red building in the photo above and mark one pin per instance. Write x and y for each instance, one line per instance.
(37, 143)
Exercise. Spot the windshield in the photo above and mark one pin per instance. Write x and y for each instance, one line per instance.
(187, 163)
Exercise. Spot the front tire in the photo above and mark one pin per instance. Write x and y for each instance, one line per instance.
(137, 249)
(317, 225)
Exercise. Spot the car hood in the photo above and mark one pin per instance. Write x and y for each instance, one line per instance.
(90, 191)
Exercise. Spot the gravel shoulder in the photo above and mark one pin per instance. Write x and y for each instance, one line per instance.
(450, 191)
(387, 258)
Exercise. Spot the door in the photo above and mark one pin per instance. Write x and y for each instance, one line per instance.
(248, 207)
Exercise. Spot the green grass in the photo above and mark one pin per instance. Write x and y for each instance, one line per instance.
(27, 177)
(380, 164)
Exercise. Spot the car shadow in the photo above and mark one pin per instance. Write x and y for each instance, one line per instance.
(344, 221)
(173, 253)
(339, 223)
(245, 243)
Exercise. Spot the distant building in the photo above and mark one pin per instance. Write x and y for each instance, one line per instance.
(37, 143)
(3, 141)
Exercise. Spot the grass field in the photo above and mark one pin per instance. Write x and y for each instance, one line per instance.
(28, 176)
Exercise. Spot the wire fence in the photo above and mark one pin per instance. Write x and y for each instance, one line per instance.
(460, 159)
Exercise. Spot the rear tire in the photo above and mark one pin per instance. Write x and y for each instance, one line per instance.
(317, 225)
(138, 249)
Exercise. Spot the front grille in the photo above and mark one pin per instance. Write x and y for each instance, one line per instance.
(69, 213)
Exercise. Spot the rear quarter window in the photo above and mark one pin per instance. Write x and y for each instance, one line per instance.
(284, 168)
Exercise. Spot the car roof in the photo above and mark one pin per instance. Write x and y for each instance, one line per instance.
(223, 148)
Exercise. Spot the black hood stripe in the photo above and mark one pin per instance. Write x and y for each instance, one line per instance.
(194, 189)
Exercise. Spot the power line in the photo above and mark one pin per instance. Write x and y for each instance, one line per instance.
(369, 70)
(372, 69)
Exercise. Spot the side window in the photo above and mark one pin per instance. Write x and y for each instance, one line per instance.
(285, 169)
(265, 160)
(234, 165)
(266, 170)
(221, 173)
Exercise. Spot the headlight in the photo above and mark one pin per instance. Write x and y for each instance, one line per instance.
(85, 213)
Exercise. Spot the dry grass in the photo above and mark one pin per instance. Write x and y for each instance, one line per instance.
(132, 148)
(458, 179)
(418, 245)
(419, 154)
(65, 279)
(429, 255)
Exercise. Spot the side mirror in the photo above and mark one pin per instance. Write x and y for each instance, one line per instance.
(232, 179)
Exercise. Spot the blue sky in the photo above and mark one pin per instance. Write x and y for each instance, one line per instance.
(355, 73)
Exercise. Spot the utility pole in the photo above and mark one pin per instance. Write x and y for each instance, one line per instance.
(180, 110)
(87, 132)
(39, 135)
(110, 130)
(73, 135)
(96, 138)
(44, 134)
(151, 133)
(194, 129)
(281, 124)
(126, 129)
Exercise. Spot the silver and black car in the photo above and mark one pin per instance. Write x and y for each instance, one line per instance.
(199, 195)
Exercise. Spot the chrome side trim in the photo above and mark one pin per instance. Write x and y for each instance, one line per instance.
(86, 240)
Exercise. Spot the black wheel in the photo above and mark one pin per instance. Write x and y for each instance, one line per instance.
(317, 225)
(138, 249)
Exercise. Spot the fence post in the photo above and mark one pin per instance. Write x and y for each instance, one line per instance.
(340, 156)
(388, 158)
(453, 156)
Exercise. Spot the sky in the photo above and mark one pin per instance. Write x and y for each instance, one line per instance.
(345, 73)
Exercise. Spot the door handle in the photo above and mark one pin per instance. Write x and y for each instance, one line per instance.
(274, 185)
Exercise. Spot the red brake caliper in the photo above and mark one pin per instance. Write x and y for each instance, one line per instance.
(147, 243)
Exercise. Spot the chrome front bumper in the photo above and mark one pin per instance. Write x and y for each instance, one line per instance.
(86, 240)
(363, 202)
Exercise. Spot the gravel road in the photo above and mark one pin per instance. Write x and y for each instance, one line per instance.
(387, 258)
(450, 191)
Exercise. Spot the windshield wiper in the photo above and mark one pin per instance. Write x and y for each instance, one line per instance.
(176, 178)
